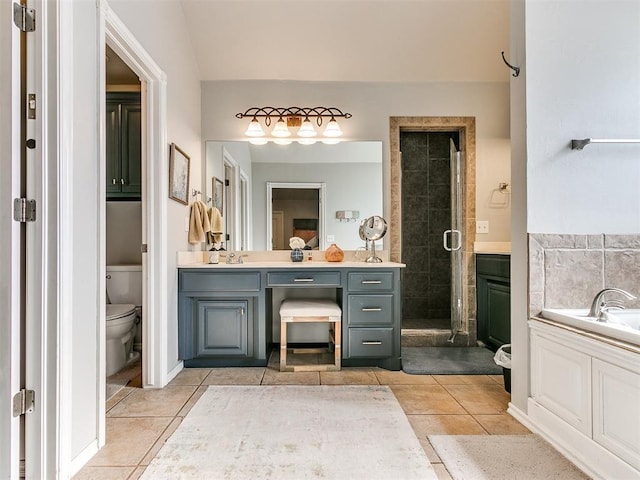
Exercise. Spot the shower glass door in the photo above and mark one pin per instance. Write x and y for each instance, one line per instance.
(455, 240)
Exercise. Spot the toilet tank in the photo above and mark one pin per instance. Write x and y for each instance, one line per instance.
(124, 284)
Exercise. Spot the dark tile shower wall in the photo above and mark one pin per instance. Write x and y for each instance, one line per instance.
(426, 214)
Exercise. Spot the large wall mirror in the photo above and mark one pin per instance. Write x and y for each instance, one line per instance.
(307, 187)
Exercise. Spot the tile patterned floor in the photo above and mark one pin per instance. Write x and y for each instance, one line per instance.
(139, 421)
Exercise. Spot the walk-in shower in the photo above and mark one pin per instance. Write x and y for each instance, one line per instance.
(432, 231)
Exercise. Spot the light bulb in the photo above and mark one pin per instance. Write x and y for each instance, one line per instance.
(254, 129)
(331, 141)
(282, 141)
(333, 129)
(258, 141)
(306, 141)
(280, 129)
(306, 129)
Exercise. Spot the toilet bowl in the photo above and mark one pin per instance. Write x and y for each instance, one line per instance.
(121, 319)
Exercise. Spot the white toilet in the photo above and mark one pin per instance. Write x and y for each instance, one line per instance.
(124, 290)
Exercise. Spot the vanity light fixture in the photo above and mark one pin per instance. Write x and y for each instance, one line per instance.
(293, 120)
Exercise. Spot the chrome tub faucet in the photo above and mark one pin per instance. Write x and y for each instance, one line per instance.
(599, 304)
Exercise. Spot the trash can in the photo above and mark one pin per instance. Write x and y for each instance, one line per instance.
(503, 358)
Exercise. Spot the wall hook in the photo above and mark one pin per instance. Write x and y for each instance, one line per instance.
(516, 70)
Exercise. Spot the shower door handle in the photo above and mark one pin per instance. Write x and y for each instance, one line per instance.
(444, 240)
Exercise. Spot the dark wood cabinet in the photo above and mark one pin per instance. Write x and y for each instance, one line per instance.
(123, 145)
(494, 299)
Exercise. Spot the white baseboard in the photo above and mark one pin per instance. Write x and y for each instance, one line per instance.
(83, 457)
(582, 451)
(175, 371)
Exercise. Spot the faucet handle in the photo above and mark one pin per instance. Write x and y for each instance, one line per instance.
(240, 257)
(230, 257)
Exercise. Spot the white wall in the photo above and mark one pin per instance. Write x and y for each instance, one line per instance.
(371, 105)
(167, 41)
(583, 80)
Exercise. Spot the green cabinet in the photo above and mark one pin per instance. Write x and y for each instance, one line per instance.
(124, 146)
(494, 299)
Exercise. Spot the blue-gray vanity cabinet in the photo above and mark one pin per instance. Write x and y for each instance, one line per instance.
(225, 313)
(218, 319)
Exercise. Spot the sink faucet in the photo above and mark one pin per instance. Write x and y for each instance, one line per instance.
(230, 257)
(240, 257)
(600, 304)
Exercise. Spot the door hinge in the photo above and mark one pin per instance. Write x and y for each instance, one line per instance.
(23, 402)
(24, 17)
(24, 210)
(144, 248)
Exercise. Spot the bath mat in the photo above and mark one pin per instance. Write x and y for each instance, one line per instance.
(293, 432)
(449, 361)
(502, 457)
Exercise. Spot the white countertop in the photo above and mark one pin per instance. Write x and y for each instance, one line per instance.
(280, 259)
(498, 248)
(290, 264)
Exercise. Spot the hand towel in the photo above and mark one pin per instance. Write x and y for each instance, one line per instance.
(216, 225)
(199, 223)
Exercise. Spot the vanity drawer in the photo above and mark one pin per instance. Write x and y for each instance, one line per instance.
(303, 279)
(370, 309)
(220, 282)
(370, 342)
(370, 282)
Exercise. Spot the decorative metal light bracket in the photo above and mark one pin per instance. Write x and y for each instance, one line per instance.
(293, 115)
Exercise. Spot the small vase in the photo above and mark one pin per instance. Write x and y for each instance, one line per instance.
(334, 253)
(297, 255)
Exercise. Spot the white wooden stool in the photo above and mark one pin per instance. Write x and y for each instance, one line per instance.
(311, 310)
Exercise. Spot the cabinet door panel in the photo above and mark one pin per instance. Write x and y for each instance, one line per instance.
(499, 312)
(616, 415)
(561, 381)
(113, 147)
(222, 327)
(131, 118)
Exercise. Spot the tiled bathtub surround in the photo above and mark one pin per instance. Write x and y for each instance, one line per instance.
(566, 271)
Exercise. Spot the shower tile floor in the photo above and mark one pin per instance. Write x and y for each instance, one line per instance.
(139, 421)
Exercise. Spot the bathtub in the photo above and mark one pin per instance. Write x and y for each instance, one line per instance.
(619, 324)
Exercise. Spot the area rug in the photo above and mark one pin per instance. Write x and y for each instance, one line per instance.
(502, 457)
(449, 361)
(293, 432)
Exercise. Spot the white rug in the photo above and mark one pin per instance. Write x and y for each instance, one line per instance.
(502, 457)
(293, 432)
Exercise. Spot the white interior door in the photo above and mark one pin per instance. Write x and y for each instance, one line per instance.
(11, 243)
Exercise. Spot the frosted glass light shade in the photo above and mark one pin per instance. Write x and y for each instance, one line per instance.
(306, 129)
(282, 141)
(333, 129)
(331, 141)
(254, 129)
(306, 141)
(258, 141)
(280, 129)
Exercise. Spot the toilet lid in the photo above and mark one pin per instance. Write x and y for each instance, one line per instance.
(119, 310)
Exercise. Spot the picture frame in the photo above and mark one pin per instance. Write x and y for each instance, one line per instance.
(179, 173)
(217, 187)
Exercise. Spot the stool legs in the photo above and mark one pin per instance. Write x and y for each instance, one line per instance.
(335, 335)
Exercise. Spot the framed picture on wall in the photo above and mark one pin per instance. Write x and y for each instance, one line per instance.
(179, 175)
(218, 194)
